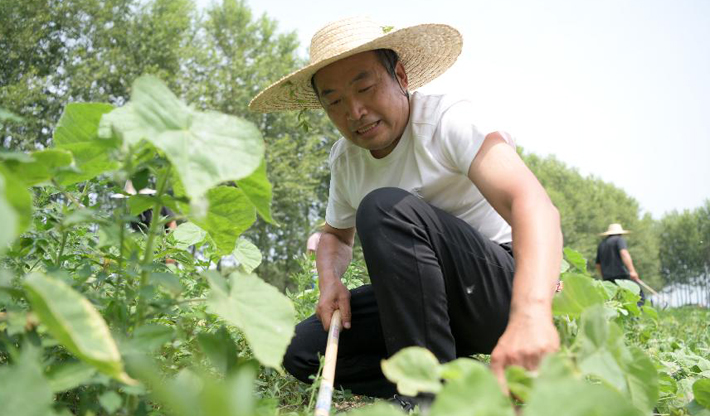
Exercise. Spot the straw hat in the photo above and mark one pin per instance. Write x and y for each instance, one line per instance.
(131, 190)
(615, 229)
(426, 51)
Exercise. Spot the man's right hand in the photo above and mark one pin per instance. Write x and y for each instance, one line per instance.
(333, 295)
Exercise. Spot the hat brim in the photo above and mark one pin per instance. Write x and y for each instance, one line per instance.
(614, 232)
(426, 51)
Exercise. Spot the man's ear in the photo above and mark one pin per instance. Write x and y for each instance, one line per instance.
(401, 75)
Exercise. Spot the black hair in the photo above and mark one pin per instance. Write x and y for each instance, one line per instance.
(387, 57)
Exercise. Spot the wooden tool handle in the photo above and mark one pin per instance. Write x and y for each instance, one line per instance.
(325, 394)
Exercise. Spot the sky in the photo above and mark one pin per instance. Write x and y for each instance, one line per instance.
(619, 89)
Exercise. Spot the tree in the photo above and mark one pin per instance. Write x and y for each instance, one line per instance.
(588, 205)
(685, 250)
(92, 50)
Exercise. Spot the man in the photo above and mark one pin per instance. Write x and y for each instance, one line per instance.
(613, 258)
(433, 201)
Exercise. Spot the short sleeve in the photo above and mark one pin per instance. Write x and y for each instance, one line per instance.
(338, 213)
(460, 139)
(621, 243)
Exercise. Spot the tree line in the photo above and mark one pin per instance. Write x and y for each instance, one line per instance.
(58, 52)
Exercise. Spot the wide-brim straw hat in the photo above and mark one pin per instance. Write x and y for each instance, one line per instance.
(129, 189)
(615, 229)
(426, 51)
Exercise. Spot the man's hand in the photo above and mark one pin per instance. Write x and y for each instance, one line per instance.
(333, 295)
(529, 336)
(634, 276)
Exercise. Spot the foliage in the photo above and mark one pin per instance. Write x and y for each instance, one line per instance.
(588, 205)
(92, 51)
(685, 252)
(89, 288)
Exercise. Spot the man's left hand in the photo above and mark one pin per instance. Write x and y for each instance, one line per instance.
(529, 336)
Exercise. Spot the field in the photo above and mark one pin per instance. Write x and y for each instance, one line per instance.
(98, 317)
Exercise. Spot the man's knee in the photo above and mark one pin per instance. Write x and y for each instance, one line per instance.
(295, 364)
(377, 205)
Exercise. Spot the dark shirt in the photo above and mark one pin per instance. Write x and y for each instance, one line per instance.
(609, 257)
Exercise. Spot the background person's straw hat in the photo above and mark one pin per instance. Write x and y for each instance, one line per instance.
(131, 190)
(426, 51)
(615, 229)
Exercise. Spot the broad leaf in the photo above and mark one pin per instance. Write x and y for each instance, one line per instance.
(205, 148)
(476, 393)
(73, 321)
(258, 189)
(229, 214)
(580, 293)
(701, 391)
(247, 254)
(414, 370)
(68, 375)
(77, 132)
(220, 349)
(263, 313)
(188, 234)
(15, 207)
(23, 389)
(576, 259)
(558, 392)
(110, 401)
(42, 167)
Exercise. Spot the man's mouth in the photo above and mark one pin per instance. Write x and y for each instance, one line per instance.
(368, 127)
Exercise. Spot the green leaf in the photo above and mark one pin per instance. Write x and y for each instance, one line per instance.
(23, 389)
(580, 293)
(148, 338)
(519, 382)
(247, 254)
(576, 259)
(476, 393)
(73, 321)
(229, 214)
(414, 370)
(137, 204)
(263, 313)
(701, 391)
(77, 132)
(110, 401)
(8, 217)
(258, 189)
(15, 207)
(205, 148)
(167, 281)
(68, 375)
(628, 285)
(42, 167)
(377, 409)
(602, 353)
(220, 349)
(558, 392)
(188, 234)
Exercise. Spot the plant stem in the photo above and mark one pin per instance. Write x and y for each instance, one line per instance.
(152, 233)
(61, 248)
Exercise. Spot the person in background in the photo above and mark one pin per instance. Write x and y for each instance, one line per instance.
(614, 261)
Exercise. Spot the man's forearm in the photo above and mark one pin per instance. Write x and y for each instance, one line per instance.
(537, 245)
(332, 258)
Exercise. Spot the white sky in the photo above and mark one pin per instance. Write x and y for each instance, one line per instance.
(616, 88)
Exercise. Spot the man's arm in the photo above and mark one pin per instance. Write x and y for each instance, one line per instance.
(599, 270)
(518, 197)
(332, 259)
(626, 258)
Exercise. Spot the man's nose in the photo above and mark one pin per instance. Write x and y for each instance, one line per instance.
(356, 109)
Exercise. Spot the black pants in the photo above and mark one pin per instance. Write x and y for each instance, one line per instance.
(436, 283)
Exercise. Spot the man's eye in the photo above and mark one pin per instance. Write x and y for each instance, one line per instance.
(366, 88)
(334, 102)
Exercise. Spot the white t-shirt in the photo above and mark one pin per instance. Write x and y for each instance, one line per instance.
(431, 161)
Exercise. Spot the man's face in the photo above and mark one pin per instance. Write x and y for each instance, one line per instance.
(364, 102)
